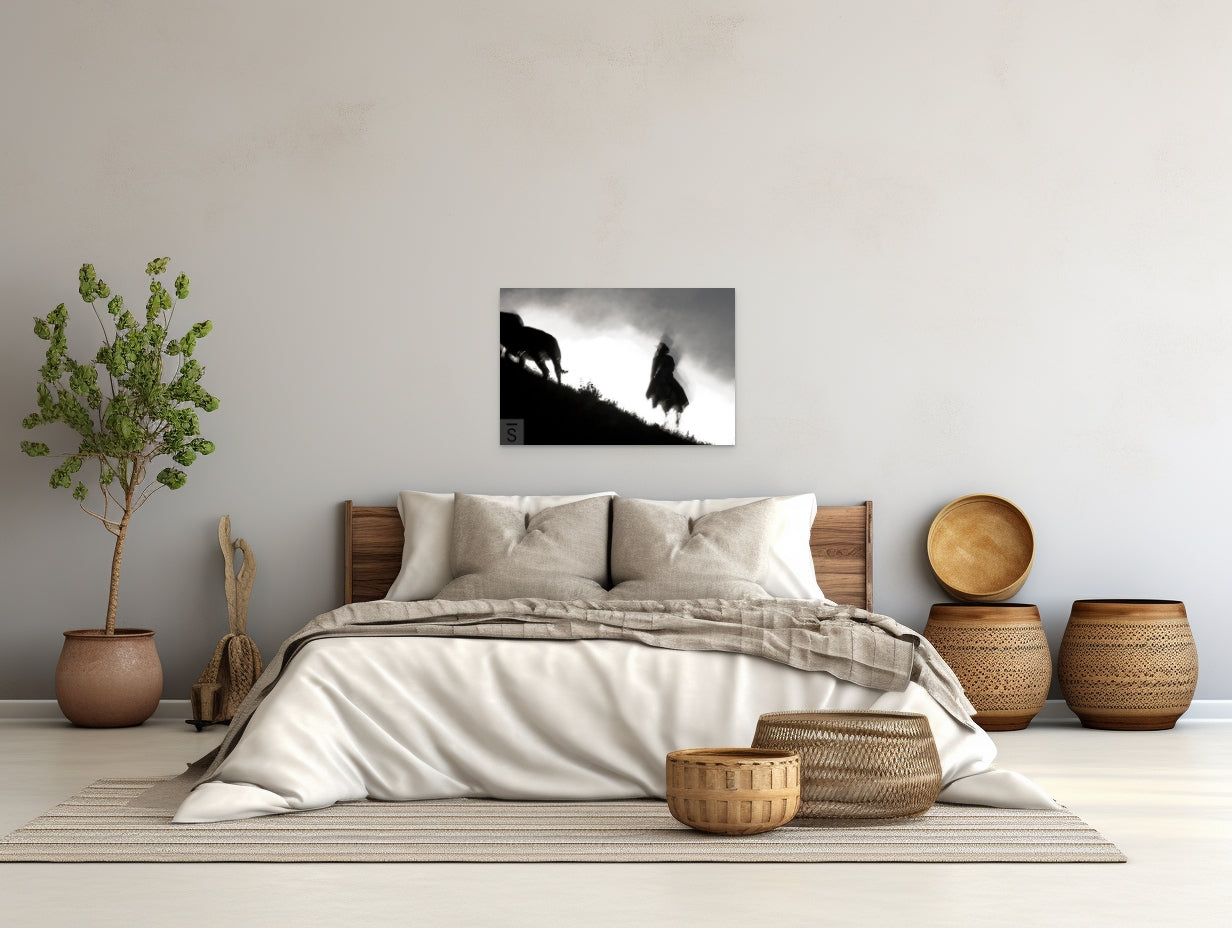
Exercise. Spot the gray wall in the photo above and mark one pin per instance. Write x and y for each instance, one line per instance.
(977, 247)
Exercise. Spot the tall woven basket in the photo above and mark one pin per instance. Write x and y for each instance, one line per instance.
(858, 764)
(1128, 664)
(1000, 655)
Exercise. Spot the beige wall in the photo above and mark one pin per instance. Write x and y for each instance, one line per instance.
(976, 247)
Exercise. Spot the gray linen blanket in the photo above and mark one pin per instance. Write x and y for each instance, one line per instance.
(852, 644)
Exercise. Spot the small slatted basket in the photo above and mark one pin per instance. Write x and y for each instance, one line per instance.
(858, 764)
(733, 791)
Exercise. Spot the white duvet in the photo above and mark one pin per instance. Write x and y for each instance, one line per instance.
(404, 718)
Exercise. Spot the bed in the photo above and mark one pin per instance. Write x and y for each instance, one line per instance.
(533, 698)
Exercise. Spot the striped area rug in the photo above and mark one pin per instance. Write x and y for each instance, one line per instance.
(99, 824)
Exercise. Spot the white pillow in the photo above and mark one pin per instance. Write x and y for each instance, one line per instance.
(788, 570)
(427, 537)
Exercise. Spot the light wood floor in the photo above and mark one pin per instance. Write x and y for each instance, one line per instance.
(1164, 797)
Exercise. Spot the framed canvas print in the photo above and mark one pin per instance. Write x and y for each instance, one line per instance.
(618, 366)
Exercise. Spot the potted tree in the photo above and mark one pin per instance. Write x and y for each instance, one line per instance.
(136, 401)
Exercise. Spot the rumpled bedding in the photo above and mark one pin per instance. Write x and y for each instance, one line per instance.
(544, 700)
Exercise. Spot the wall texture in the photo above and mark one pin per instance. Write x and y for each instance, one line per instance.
(977, 247)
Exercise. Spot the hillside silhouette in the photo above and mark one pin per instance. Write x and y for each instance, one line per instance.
(557, 414)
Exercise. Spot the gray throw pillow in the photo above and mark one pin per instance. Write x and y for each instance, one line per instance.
(500, 552)
(658, 553)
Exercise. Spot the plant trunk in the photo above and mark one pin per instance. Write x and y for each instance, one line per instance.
(113, 599)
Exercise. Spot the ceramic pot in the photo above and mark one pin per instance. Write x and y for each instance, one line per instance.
(1000, 654)
(1128, 664)
(108, 681)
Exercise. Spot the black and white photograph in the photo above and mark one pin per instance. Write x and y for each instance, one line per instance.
(618, 366)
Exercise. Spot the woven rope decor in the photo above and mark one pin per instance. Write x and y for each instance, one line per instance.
(236, 663)
(857, 764)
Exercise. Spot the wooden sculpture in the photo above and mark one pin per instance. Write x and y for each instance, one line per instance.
(236, 663)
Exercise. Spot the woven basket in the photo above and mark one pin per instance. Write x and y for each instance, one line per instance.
(1128, 664)
(858, 764)
(733, 791)
(1000, 655)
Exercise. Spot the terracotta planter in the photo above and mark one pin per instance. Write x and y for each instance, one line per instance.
(999, 653)
(1128, 664)
(108, 681)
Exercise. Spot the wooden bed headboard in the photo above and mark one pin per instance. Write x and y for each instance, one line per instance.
(842, 543)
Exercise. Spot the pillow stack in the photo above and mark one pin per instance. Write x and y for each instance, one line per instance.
(460, 546)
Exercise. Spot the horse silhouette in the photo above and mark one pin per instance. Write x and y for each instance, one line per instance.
(520, 341)
(665, 390)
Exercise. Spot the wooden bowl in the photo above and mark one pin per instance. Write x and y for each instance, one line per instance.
(981, 548)
(733, 791)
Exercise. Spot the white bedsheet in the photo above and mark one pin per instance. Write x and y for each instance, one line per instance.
(429, 718)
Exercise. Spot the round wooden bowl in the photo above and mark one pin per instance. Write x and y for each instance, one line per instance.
(733, 791)
(981, 548)
(1000, 655)
(1128, 664)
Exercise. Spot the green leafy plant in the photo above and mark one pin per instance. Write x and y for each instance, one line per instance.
(144, 408)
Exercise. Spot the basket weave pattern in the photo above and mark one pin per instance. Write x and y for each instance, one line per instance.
(1128, 666)
(999, 654)
(858, 764)
(733, 791)
(1142, 668)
